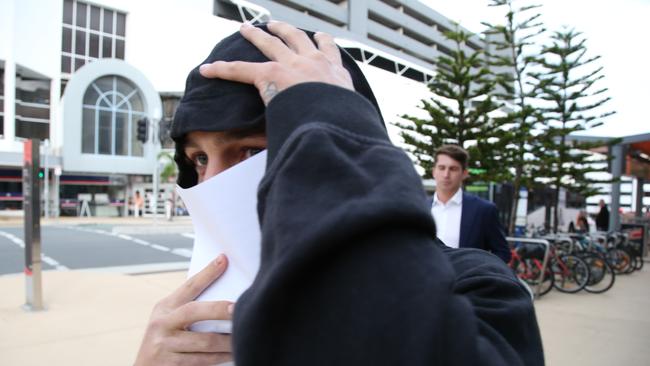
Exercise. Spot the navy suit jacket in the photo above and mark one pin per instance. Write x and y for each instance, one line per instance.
(480, 227)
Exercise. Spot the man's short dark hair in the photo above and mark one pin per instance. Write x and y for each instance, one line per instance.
(455, 152)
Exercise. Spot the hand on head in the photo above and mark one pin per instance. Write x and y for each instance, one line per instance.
(294, 59)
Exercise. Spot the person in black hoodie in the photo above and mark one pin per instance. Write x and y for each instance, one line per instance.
(351, 273)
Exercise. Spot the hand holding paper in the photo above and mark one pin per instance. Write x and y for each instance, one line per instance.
(224, 215)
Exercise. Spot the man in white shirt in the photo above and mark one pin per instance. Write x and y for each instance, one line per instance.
(463, 220)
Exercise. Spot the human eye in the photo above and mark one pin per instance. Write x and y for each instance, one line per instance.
(200, 160)
(251, 151)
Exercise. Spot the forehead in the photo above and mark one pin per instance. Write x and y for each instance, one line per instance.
(195, 138)
(446, 160)
(201, 137)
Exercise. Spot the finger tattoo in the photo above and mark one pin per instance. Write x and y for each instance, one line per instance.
(271, 90)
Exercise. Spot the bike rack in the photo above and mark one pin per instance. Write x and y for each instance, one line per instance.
(546, 245)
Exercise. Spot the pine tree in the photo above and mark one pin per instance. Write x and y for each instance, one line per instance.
(512, 53)
(459, 112)
(572, 102)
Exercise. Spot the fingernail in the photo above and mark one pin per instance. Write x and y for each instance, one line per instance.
(231, 308)
(203, 67)
(219, 260)
(246, 25)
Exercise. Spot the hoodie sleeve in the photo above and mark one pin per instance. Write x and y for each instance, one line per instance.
(350, 273)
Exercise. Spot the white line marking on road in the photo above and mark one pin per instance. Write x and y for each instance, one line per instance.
(143, 268)
(53, 263)
(179, 251)
(188, 235)
(183, 252)
(18, 241)
(160, 247)
(13, 239)
(141, 242)
(49, 260)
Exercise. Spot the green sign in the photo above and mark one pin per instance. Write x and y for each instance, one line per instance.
(477, 170)
(476, 188)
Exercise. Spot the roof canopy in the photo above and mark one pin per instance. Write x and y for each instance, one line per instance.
(636, 149)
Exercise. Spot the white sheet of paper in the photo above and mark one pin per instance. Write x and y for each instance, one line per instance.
(224, 215)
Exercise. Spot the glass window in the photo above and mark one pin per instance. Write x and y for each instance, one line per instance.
(78, 63)
(88, 131)
(121, 134)
(93, 46)
(91, 32)
(80, 42)
(32, 107)
(95, 14)
(112, 106)
(123, 87)
(66, 64)
(31, 111)
(108, 21)
(107, 47)
(104, 84)
(120, 24)
(91, 97)
(67, 12)
(32, 90)
(119, 49)
(67, 40)
(81, 14)
(105, 132)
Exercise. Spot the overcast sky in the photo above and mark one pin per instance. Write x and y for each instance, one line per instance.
(616, 30)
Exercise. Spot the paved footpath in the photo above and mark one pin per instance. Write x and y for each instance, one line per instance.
(98, 319)
(91, 318)
(609, 329)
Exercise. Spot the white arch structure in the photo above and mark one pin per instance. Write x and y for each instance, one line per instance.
(74, 160)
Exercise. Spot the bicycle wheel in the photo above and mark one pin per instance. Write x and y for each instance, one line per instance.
(636, 250)
(601, 276)
(639, 263)
(633, 263)
(618, 259)
(571, 273)
(528, 271)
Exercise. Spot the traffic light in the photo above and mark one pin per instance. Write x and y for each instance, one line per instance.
(142, 130)
(41, 174)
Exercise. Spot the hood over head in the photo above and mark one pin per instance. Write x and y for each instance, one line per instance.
(222, 105)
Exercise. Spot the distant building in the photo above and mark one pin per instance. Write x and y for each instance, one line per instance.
(80, 74)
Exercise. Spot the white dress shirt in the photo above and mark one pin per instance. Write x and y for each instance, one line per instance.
(447, 218)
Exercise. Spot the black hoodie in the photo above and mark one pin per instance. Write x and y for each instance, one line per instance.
(350, 271)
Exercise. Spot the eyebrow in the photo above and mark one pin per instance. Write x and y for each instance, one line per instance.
(229, 136)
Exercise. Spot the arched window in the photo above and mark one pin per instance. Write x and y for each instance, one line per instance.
(111, 107)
